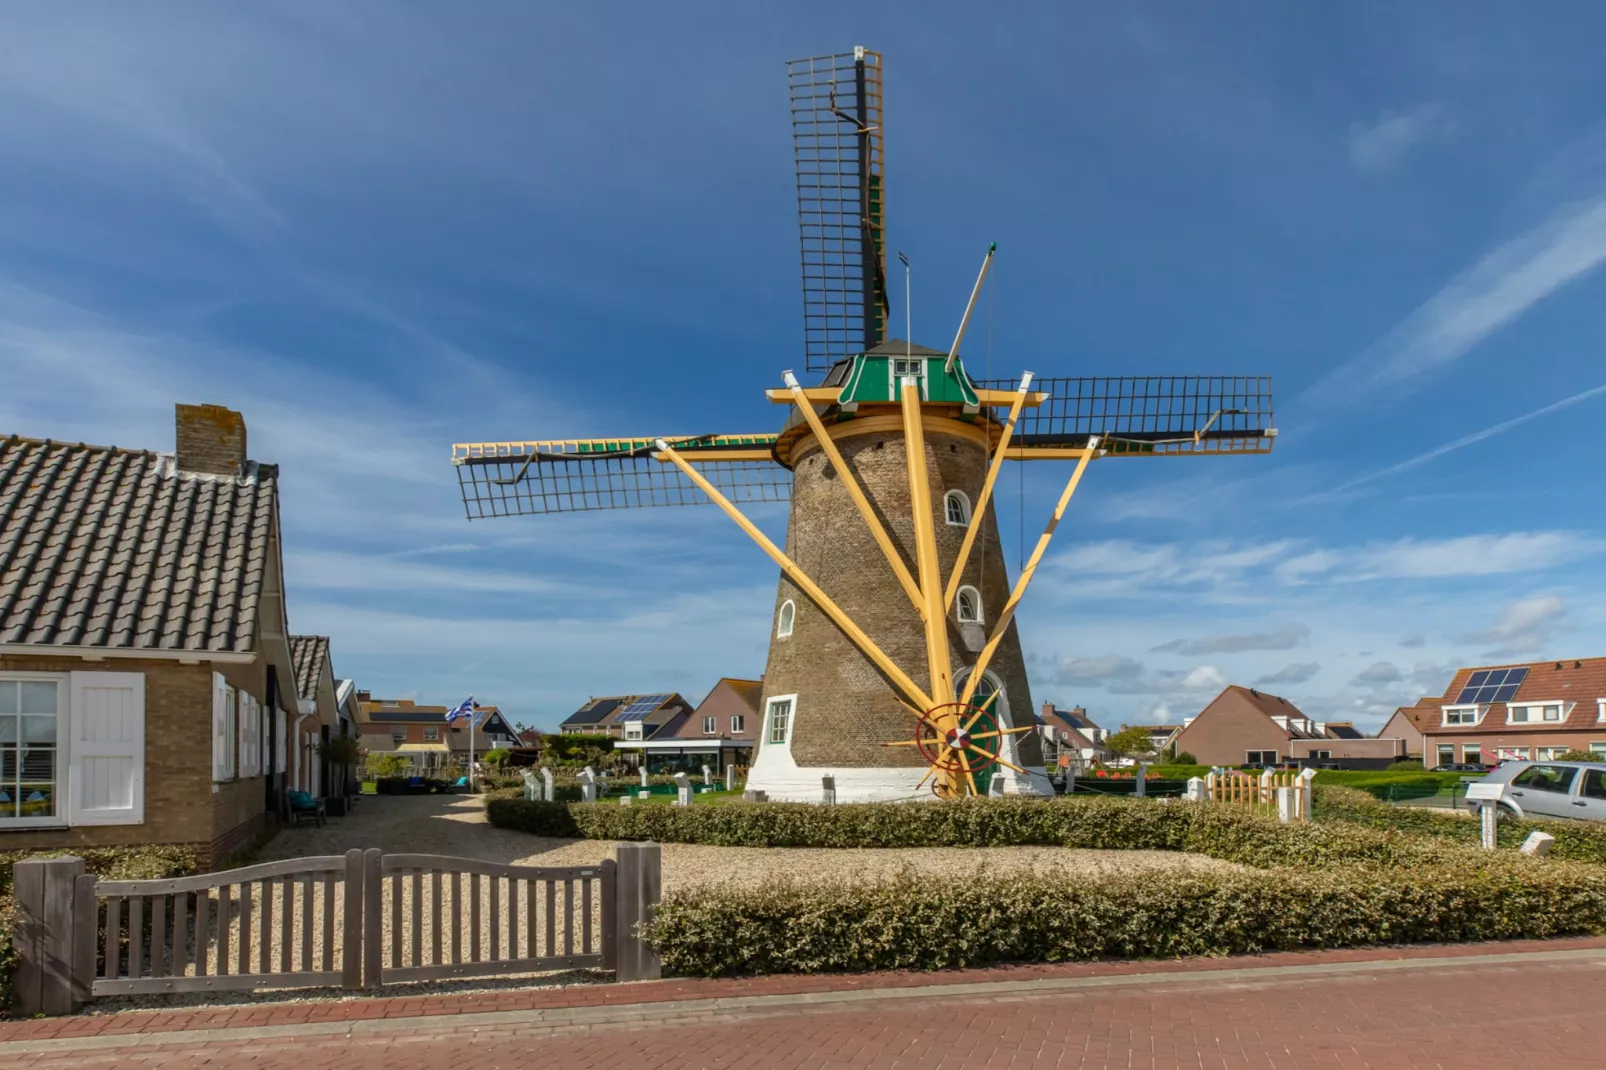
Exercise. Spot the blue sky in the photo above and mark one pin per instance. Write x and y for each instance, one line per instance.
(377, 229)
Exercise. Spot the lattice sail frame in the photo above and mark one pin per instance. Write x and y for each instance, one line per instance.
(839, 150)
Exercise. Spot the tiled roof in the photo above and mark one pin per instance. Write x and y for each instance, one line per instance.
(115, 548)
(1343, 730)
(1578, 681)
(309, 654)
(1270, 705)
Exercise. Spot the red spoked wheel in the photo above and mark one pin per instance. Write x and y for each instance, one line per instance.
(957, 740)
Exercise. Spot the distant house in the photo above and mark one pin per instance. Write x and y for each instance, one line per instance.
(1244, 726)
(1533, 711)
(318, 701)
(420, 733)
(721, 731)
(1408, 722)
(1160, 735)
(1070, 737)
(628, 717)
(147, 692)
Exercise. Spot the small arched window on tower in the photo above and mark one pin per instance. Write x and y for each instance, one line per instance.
(783, 619)
(956, 508)
(967, 605)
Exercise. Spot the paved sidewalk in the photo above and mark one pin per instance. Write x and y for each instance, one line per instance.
(1472, 1006)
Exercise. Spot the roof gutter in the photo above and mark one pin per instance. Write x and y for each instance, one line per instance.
(102, 653)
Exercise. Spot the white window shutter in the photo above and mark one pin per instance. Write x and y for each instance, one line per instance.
(245, 717)
(220, 727)
(106, 749)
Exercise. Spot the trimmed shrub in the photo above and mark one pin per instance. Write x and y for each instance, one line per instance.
(1579, 841)
(926, 924)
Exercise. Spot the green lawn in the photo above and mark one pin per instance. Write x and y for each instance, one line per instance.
(717, 797)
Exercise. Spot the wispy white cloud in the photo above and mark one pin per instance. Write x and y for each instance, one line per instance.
(1282, 637)
(1525, 627)
(1499, 288)
(1381, 144)
(1298, 672)
(1121, 675)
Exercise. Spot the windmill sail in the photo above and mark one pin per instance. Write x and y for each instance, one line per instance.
(580, 475)
(837, 142)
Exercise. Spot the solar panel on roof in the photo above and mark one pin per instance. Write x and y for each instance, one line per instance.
(641, 707)
(1492, 685)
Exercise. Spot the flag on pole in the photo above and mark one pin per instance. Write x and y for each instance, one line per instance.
(905, 259)
(465, 708)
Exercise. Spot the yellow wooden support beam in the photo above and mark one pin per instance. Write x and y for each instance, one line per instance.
(1045, 453)
(829, 395)
(855, 634)
(856, 492)
(723, 455)
(979, 512)
(928, 565)
(1025, 578)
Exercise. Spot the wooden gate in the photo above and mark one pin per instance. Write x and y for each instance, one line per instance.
(424, 912)
(1259, 793)
(358, 920)
(267, 926)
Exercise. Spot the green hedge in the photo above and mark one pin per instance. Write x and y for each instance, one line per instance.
(113, 863)
(1580, 841)
(1093, 822)
(924, 923)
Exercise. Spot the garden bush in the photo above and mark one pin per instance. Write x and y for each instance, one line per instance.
(945, 923)
(1580, 841)
(113, 863)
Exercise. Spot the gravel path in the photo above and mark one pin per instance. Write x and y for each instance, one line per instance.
(455, 825)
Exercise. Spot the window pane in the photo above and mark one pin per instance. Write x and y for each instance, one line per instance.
(8, 728)
(38, 696)
(8, 697)
(39, 729)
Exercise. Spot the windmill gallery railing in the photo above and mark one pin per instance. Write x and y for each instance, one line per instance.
(360, 920)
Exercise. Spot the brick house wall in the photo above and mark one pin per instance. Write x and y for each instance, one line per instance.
(1489, 742)
(1230, 727)
(180, 805)
(722, 704)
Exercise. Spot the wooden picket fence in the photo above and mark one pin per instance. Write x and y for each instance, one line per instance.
(1260, 793)
(326, 921)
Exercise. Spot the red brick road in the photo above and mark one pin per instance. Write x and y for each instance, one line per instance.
(1488, 1007)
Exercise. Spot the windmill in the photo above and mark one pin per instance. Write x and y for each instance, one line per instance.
(895, 664)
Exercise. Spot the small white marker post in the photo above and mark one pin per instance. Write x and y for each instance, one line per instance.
(730, 778)
(1285, 805)
(588, 785)
(624, 800)
(1306, 796)
(1488, 798)
(546, 781)
(643, 772)
(1196, 789)
(1142, 785)
(708, 777)
(682, 790)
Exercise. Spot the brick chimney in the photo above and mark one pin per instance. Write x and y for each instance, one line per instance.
(211, 440)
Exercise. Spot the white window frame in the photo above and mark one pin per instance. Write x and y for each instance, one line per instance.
(1529, 709)
(900, 368)
(975, 605)
(247, 732)
(225, 731)
(1598, 748)
(394, 738)
(949, 500)
(1460, 712)
(1549, 754)
(785, 619)
(1439, 757)
(738, 723)
(633, 731)
(1468, 749)
(788, 724)
(1250, 759)
(1600, 707)
(710, 725)
(432, 733)
(63, 682)
(1514, 754)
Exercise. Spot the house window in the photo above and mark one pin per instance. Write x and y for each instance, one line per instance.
(1261, 757)
(1549, 754)
(1446, 754)
(967, 605)
(780, 718)
(398, 734)
(1598, 750)
(225, 730)
(710, 725)
(1535, 714)
(633, 730)
(31, 730)
(1472, 752)
(1512, 754)
(1460, 715)
(738, 723)
(1322, 755)
(956, 508)
(432, 734)
(783, 619)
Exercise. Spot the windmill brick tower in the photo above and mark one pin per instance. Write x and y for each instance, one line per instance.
(895, 664)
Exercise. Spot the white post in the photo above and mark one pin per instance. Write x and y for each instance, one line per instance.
(708, 777)
(588, 785)
(532, 791)
(1306, 795)
(643, 770)
(682, 790)
(828, 790)
(624, 800)
(1142, 786)
(546, 779)
(1196, 789)
(1285, 805)
(1070, 780)
(1491, 836)
(1538, 844)
(1265, 786)
(730, 778)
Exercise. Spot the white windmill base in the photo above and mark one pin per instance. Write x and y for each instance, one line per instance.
(783, 780)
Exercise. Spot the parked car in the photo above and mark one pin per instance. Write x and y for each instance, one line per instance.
(1549, 789)
(1461, 767)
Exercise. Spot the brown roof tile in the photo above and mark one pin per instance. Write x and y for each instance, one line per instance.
(116, 548)
(1581, 681)
(309, 654)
